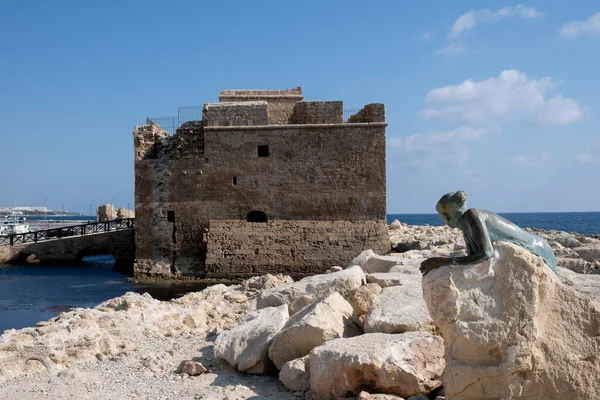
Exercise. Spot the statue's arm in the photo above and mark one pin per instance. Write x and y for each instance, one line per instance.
(481, 250)
(479, 235)
(470, 249)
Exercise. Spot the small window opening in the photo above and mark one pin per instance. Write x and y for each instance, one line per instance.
(256, 216)
(263, 150)
(235, 180)
(171, 216)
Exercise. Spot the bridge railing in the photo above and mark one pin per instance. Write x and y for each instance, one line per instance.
(67, 231)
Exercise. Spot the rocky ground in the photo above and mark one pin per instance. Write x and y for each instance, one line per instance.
(337, 324)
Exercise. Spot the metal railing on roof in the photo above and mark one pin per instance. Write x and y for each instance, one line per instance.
(194, 113)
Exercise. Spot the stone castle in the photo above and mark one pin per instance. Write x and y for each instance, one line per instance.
(265, 183)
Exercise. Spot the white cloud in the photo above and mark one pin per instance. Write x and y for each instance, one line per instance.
(427, 35)
(469, 20)
(436, 140)
(394, 142)
(531, 161)
(452, 49)
(430, 149)
(508, 94)
(584, 158)
(590, 26)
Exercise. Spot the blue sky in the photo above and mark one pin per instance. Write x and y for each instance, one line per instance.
(496, 98)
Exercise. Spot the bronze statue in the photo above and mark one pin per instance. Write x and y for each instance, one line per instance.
(480, 228)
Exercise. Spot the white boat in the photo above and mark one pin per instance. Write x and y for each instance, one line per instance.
(13, 224)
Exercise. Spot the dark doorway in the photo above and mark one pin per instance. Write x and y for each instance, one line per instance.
(257, 216)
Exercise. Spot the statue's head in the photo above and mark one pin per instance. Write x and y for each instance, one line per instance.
(452, 206)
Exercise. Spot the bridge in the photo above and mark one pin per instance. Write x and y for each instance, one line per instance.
(68, 245)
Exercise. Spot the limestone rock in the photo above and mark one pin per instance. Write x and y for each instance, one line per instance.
(246, 346)
(106, 331)
(405, 364)
(385, 279)
(308, 290)
(396, 224)
(377, 396)
(589, 253)
(399, 309)
(326, 319)
(588, 285)
(192, 368)
(295, 374)
(512, 330)
(361, 299)
(371, 262)
(264, 282)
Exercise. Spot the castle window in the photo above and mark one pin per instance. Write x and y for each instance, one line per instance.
(234, 180)
(171, 216)
(256, 216)
(263, 150)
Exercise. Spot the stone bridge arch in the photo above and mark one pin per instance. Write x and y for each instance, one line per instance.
(71, 250)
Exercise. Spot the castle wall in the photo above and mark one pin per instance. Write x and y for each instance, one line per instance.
(211, 171)
(280, 102)
(297, 248)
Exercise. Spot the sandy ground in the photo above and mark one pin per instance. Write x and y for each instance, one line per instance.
(147, 372)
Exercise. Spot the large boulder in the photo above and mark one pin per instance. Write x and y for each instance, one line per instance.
(371, 262)
(588, 285)
(399, 309)
(385, 279)
(512, 330)
(405, 364)
(327, 319)
(361, 299)
(589, 253)
(295, 374)
(246, 345)
(310, 289)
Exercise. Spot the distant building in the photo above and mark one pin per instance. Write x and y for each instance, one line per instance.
(35, 209)
(265, 183)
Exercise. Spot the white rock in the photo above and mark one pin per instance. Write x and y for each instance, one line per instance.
(385, 279)
(588, 253)
(295, 374)
(512, 330)
(399, 309)
(588, 285)
(361, 299)
(371, 262)
(377, 396)
(192, 368)
(246, 346)
(308, 290)
(405, 364)
(326, 319)
(396, 224)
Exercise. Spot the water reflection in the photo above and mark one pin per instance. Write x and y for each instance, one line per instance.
(31, 293)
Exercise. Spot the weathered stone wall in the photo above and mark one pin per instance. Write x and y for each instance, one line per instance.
(318, 112)
(370, 113)
(120, 244)
(246, 113)
(333, 172)
(123, 213)
(281, 102)
(298, 248)
(107, 212)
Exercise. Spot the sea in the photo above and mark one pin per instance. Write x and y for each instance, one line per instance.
(32, 293)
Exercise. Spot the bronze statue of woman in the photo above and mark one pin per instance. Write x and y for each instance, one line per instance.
(480, 228)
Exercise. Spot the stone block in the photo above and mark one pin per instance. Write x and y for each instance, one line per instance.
(317, 112)
(246, 113)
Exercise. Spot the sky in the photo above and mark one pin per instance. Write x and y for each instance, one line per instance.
(495, 98)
